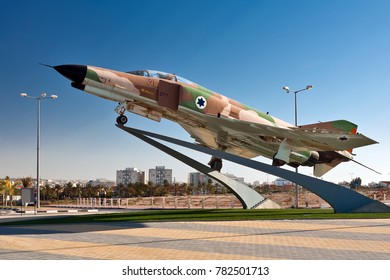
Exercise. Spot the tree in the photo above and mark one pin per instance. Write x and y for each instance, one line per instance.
(48, 192)
(69, 190)
(190, 189)
(162, 190)
(78, 190)
(58, 190)
(139, 189)
(13, 188)
(121, 190)
(8, 187)
(210, 187)
(91, 191)
(130, 190)
(27, 182)
(356, 182)
(109, 191)
(202, 187)
(149, 189)
(3, 190)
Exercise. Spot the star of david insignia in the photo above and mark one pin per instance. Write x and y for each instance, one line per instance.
(200, 102)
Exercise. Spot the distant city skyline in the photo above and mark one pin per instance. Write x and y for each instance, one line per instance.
(274, 180)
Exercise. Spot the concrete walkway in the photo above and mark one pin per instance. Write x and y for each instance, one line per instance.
(285, 239)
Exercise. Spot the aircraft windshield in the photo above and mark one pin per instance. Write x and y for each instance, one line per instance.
(160, 75)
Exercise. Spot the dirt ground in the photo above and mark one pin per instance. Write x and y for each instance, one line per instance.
(285, 198)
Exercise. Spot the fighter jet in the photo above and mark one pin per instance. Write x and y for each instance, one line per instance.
(218, 122)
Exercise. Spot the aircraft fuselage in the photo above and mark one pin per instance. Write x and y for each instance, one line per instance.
(209, 117)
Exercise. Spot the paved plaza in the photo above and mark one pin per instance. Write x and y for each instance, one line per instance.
(282, 239)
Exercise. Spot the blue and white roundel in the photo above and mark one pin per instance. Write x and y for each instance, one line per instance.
(201, 102)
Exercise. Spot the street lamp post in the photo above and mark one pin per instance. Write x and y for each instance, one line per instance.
(288, 90)
(38, 98)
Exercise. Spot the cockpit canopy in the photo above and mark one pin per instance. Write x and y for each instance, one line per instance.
(160, 75)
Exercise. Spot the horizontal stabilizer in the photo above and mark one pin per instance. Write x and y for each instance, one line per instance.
(334, 126)
(337, 135)
(322, 168)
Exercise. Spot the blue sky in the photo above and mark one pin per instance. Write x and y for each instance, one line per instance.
(247, 50)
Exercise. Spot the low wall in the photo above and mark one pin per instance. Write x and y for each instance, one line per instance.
(169, 202)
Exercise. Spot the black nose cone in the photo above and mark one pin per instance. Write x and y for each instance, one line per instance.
(75, 73)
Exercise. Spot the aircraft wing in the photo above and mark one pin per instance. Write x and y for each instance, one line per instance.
(248, 135)
(324, 140)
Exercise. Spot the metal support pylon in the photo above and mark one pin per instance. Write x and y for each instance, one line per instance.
(248, 197)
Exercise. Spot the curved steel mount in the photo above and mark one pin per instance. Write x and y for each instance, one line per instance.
(248, 197)
(342, 200)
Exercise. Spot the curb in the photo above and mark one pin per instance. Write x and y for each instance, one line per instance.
(59, 211)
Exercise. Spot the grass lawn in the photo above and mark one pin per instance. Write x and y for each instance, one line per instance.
(203, 215)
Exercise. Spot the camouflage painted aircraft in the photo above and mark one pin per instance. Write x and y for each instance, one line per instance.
(219, 122)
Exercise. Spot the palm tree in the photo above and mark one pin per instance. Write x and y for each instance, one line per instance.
(6, 187)
(120, 190)
(12, 188)
(174, 188)
(58, 190)
(87, 191)
(131, 190)
(151, 188)
(109, 191)
(47, 192)
(9, 188)
(68, 190)
(186, 189)
(78, 190)
(3, 190)
(27, 182)
(190, 189)
(210, 187)
(139, 189)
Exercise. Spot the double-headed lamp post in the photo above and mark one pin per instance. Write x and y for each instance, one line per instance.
(42, 96)
(288, 90)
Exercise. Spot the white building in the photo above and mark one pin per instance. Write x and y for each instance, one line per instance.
(159, 175)
(197, 178)
(235, 178)
(384, 184)
(282, 182)
(98, 182)
(130, 175)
